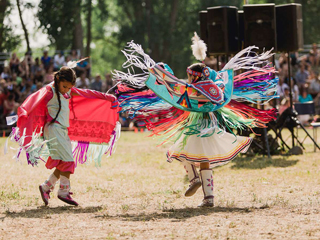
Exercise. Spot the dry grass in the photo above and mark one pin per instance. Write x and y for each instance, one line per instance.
(136, 194)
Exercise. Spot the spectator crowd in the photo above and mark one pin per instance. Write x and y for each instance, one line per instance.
(305, 81)
(21, 77)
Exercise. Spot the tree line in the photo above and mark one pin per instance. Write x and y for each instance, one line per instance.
(101, 28)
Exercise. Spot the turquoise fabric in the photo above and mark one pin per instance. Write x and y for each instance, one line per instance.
(162, 92)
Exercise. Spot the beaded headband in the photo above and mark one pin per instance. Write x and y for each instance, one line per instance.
(194, 73)
(205, 72)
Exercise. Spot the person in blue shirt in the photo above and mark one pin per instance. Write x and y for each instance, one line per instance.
(46, 60)
(305, 96)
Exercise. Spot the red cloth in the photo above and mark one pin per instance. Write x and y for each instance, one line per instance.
(91, 117)
(60, 165)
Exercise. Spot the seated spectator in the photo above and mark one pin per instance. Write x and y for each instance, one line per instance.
(37, 67)
(27, 90)
(15, 78)
(4, 94)
(46, 60)
(6, 74)
(83, 66)
(3, 85)
(96, 84)
(301, 76)
(314, 55)
(58, 61)
(14, 89)
(14, 63)
(38, 77)
(294, 89)
(281, 87)
(48, 77)
(305, 96)
(109, 83)
(10, 106)
(314, 86)
(39, 85)
(73, 56)
(24, 66)
(82, 81)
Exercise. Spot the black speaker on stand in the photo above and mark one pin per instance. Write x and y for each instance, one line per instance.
(203, 26)
(260, 30)
(222, 25)
(289, 27)
(260, 26)
(290, 39)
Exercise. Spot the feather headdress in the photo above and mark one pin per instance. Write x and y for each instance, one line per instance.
(199, 48)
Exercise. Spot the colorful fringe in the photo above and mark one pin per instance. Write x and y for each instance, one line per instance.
(139, 102)
(258, 83)
(83, 152)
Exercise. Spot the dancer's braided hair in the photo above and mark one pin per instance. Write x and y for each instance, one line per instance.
(64, 74)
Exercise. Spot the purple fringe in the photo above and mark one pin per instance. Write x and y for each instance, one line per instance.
(80, 152)
(112, 144)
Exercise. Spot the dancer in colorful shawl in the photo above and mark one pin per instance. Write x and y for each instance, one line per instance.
(91, 125)
(196, 113)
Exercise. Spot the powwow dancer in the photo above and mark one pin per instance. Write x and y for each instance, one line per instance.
(91, 125)
(195, 114)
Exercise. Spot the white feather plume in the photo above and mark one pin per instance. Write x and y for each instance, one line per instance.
(199, 48)
(72, 64)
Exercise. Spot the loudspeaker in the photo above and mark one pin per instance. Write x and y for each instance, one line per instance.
(222, 25)
(260, 26)
(289, 27)
(203, 26)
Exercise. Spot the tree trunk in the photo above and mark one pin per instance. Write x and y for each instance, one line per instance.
(167, 41)
(148, 8)
(24, 27)
(77, 42)
(89, 9)
(3, 7)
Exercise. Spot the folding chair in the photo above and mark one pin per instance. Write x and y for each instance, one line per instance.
(307, 108)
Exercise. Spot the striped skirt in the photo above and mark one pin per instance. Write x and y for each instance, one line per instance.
(218, 149)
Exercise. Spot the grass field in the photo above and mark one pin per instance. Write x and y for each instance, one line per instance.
(136, 194)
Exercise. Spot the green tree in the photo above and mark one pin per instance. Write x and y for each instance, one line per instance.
(163, 28)
(61, 20)
(26, 35)
(8, 41)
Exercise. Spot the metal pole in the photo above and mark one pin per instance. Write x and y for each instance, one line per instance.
(290, 93)
(218, 63)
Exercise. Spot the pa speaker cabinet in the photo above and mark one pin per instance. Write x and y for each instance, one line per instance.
(289, 27)
(260, 26)
(222, 25)
(203, 26)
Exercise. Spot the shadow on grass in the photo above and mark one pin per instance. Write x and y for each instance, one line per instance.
(45, 212)
(260, 162)
(176, 214)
